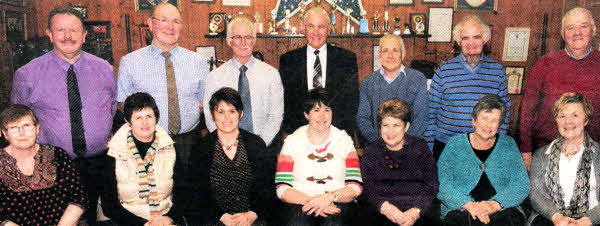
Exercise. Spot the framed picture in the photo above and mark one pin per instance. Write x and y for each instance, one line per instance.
(516, 44)
(98, 40)
(147, 5)
(210, 54)
(237, 2)
(203, 1)
(401, 2)
(145, 35)
(417, 23)
(514, 76)
(82, 10)
(376, 64)
(14, 23)
(476, 5)
(440, 24)
(12, 2)
(433, 1)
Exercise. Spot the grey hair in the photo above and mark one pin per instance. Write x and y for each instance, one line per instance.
(243, 20)
(393, 37)
(576, 11)
(316, 10)
(469, 19)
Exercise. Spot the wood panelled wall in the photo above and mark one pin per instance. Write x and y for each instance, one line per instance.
(511, 13)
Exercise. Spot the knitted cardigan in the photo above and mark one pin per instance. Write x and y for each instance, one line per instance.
(459, 170)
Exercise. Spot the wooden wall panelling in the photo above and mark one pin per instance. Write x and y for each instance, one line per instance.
(510, 13)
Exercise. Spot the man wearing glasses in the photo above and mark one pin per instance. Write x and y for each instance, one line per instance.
(173, 75)
(258, 83)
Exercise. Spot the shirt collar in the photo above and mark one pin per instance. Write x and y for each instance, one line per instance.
(157, 51)
(402, 71)
(322, 49)
(463, 58)
(237, 64)
(583, 58)
(64, 65)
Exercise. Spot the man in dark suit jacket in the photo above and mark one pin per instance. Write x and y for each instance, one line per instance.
(339, 74)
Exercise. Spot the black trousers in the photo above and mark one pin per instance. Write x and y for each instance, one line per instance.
(292, 215)
(507, 217)
(90, 170)
(438, 147)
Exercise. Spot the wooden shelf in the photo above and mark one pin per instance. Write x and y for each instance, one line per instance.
(330, 36)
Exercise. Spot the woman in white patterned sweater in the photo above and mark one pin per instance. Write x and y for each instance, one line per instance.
(318, 174)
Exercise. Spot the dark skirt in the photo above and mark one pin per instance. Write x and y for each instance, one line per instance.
(292, 215)
(507, 217)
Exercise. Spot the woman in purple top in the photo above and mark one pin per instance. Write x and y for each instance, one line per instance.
(399, 173)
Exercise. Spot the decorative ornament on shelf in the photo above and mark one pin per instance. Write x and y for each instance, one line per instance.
(386, 23)
(364, 23)
(258, 26)
(348, 25)
(376, 23)
(273, 27)
(397, 26)
(333, 8)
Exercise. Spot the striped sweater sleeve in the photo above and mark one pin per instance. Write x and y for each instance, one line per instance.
(353, 176)
(284, 174)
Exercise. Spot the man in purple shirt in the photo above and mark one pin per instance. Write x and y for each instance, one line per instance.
(68, 77)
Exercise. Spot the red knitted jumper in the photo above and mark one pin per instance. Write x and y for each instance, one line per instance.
(553, 75)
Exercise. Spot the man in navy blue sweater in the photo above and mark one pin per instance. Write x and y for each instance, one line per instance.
(393, 80)
(459, 83)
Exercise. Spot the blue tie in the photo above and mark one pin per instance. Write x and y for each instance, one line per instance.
(244, 90)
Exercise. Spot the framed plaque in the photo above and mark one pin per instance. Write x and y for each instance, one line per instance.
(401, 2)
(203, 1)
(417, 23)
(217, 23)
(433, 1)
(476, 5)
(516, 44)
(14, 23)
(514, 76)
(440, 24)
(147, 5)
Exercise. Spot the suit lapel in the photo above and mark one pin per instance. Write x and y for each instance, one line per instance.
(331, 56)
(301, 56)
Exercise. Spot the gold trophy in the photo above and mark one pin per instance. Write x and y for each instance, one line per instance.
(376, 23)
(348, 25)
(273, 28)
(287, 21)
(386, 23)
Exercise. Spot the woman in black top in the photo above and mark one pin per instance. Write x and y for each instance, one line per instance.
(231, 180)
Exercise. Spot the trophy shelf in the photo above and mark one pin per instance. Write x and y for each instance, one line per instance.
(330, 36)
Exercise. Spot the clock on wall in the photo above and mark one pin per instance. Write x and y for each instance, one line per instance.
(147, 5)
(476, 5)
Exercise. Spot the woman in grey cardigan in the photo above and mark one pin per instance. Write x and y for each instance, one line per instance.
(564, 174)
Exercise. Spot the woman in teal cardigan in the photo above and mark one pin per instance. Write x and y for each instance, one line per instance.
(482, 177)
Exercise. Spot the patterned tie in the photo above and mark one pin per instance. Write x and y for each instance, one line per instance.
(174, 121)
(317, 72)
(77, 131)
(244, 90)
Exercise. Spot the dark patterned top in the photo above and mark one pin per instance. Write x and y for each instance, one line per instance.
(231, 179)
(39, 199)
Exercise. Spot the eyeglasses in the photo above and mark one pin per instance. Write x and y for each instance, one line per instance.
(165, 21)
(238, 38)
(15, 129)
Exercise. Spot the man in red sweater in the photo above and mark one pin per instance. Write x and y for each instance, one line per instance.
(574, 69)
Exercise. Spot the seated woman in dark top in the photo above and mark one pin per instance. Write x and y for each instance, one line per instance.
(232, 178)
(38, 184)
(398, 170)
(138, 177)
(482, 177)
